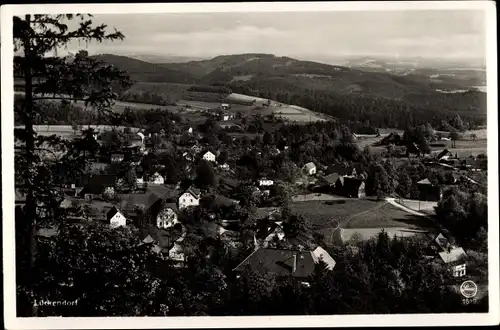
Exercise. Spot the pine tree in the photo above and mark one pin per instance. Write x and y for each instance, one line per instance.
(53, 78)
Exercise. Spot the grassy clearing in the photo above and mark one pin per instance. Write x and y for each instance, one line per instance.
(386, 215)
(324, 214)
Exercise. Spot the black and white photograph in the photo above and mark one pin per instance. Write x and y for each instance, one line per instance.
(321, 164)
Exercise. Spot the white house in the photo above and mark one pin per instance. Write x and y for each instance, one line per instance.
(176, 253)
(191, 197)
(139, 181)
(190, 130)
(115, 218)
(167, 217)
(309, 168)
(263, 182)
(225, 166)
(224, 106)
(156, 179)
(209, 156)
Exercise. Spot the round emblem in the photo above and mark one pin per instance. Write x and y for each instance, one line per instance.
(468, 289)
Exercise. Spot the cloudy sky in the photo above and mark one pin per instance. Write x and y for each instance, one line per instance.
(450, 33)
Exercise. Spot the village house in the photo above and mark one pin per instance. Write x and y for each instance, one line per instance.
(428, 191)
(264, 182)
(444, 155)
(167, 217)
(191, 197)
(413, 149)
(176, 254)
(156, 178)
(98, 185)
(117, 158)
(225, 116)
(309, 169)
(475, 164)
(196, 148)
(331, 182)
(209, 156)
(190, 130)
(116, 218)
(225, 167)
(225, 106)
(285, 263)
(353, 187)
(453, 257)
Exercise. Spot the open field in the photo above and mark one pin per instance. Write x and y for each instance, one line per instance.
(364, 217)
(385, 215)
(322, 215)
(235, 97)
(416, 205)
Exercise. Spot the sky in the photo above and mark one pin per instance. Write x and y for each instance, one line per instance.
(429, 34)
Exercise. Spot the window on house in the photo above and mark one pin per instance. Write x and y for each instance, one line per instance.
(459, 271)
(190, 200)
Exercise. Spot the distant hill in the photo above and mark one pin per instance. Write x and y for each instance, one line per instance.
(384, 98)
(146, 71)
(249, 69)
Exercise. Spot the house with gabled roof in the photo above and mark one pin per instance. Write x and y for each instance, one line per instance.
(116, 218)
(98, 185)
(209, 156)
(309, 168)
(428, 191)
(156, 178)
(285, 263)
(167, 217)
(190, 197)
(412, 148)
(444, 155)
(353, 187)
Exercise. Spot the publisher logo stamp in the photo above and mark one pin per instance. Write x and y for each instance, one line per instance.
(468, 289)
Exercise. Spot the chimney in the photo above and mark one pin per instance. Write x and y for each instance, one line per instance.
(294, 263)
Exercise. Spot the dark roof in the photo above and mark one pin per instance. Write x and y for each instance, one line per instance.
(98, 183)
(413, 148)
(443, 153)
(340, 169)
(352, 183)
(331, 178)
(279, 262)
(112, 212)
(172, 206)
(194, 191)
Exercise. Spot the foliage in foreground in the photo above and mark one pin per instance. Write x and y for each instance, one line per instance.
(110, 273)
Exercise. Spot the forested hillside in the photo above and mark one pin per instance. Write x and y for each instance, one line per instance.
(383, 99)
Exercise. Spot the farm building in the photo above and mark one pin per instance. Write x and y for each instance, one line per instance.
(428, 191)
(309, 168)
